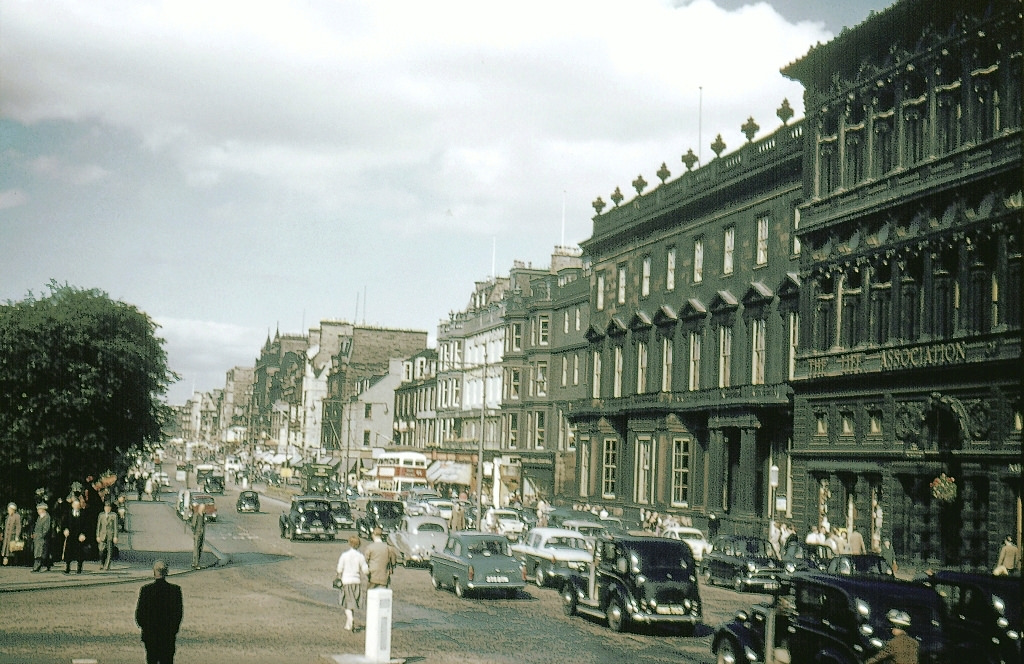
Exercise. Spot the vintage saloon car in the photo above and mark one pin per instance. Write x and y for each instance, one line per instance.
(692, 536)
(743, 562)
(342, 513)
(862, 563)
(984, 614)
(550, 554)
(837, 619)
(372, 512)
(505, 522)
(472, 562)
(417, 537)
(637, 579)
(248, 501)
(308, 517)
(209, 505)
(802, 557)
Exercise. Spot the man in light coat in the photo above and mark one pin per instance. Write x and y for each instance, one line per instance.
(106, 534)
(381, 559)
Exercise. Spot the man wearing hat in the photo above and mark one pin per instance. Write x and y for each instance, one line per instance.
(106, 533)
(381, 559)
(74, 538)
(901, 648)
(41, 539)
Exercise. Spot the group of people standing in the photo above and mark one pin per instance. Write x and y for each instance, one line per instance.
(72, 535)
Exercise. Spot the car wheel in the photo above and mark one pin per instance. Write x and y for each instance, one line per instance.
(434, 581)
(615, 614)
(737, 583)
(726, 653)
(568, 600)
(460, 590)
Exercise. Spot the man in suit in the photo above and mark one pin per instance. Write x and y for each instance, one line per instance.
(106, 534)
(159, 613)
(74, 537)
(381, 559)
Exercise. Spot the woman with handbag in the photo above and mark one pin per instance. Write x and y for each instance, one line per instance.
(13, 544)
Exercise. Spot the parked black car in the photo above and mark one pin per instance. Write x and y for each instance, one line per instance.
(743, 562)
(309, 517)
(248, 501)
(637, 579)
(342, 513)
(846, 619)
(802, 557)
(863, 563)
(373, 512)
(214, 484)
(984, 614)
(839, 620)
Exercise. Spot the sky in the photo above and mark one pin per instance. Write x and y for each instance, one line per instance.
(237, 168)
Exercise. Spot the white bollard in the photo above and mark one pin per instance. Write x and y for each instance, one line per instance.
(378, 625)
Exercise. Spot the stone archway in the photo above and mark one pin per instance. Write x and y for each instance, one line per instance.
(946, 428)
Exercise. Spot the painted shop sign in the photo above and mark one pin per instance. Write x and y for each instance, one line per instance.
(893, 359)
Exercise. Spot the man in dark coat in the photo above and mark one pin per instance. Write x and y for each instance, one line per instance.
(74, 537)
(41, 539)
(159, 614)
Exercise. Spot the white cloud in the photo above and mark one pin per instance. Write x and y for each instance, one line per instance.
(249, 162)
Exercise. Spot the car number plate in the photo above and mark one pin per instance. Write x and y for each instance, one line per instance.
(771, 586)
(672, 609)
(497, 579)
(316, 529)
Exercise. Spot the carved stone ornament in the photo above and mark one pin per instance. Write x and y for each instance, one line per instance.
(690, 159)
(598, 204)
(663, 172)
(718, 146)
(909, 423)
(750, 128)
(639, 184)
(785, 111)
(617, 196)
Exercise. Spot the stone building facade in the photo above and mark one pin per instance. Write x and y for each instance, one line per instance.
(693, 307)
(909, 362)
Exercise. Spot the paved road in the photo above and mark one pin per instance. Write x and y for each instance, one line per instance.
(272, 602)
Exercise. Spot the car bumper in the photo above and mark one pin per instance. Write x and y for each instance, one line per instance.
(663, 619)
(768, 583)
(484, 585)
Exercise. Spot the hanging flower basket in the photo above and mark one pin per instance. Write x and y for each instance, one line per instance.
(944, 488)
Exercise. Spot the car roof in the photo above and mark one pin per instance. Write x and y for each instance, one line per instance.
(417, 520)
(311, 496)
(472, 535)
(871, 586)
(556, 532)
(584, 522)
(684, 529)
(1007, 585)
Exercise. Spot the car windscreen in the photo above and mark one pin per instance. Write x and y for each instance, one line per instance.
(754, 547)
(313, 506)
(340, 507)
(488, 547)
(430, 528)
(658, 559)
(570, 543)
(386, 510)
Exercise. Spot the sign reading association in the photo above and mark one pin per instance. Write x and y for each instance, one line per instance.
(892, 359)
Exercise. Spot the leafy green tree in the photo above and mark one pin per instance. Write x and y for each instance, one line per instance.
(81, 377)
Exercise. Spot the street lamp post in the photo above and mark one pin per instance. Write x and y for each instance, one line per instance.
(480, 452)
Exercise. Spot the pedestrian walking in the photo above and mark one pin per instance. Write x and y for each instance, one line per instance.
(381, 559)
(106, 534)
(149, 488)
(12, 533)
(198, 533)
(1009, 558)
(41, 539)
(901, 648)
(74, 538)
(158, 613)
(458, 521)
(351, 569)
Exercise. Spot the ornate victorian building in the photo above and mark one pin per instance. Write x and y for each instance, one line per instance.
(693, 308)
(909, 360)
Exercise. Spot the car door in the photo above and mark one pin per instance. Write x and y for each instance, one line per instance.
(444, 564)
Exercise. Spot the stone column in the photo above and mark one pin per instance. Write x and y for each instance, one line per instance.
(746, 484)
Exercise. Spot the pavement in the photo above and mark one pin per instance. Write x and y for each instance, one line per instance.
(154, 532)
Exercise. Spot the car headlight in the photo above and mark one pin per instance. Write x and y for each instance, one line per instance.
(751, 655)
(751, 566)
(790, 568)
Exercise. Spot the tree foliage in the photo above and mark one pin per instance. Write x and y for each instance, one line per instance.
(81, 377)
